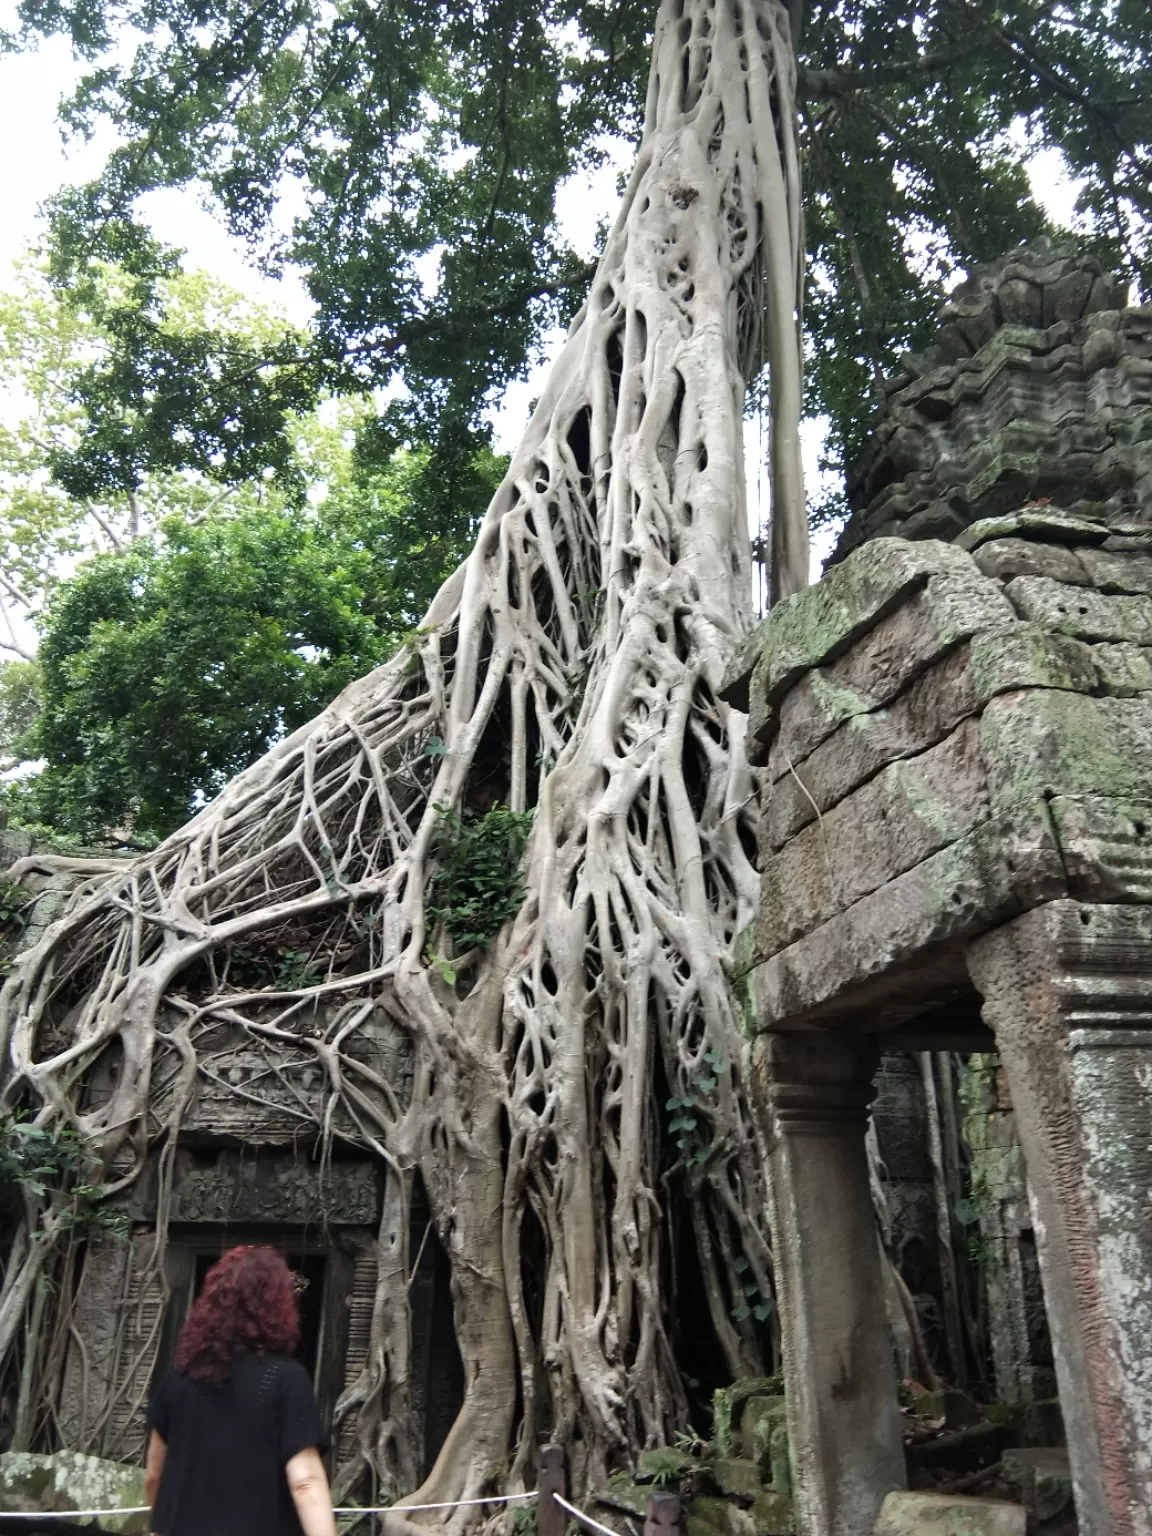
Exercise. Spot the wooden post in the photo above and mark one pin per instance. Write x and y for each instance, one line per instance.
(550, 1518)
(663, 1515)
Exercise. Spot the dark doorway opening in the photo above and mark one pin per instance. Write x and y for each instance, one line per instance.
(309, 1270)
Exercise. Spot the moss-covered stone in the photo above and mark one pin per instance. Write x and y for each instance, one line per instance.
(818, 624)
(663, 1464)
(1123, 669)
(728, 1405)
(760, 1417)
(940, 1514)
(1029, 656)
(624, 1494)
(1045, 525)
(718, 1517)
(1046, 742)
(772, 1514)
(737, 1476)
(68, 1481)
(1081, 611)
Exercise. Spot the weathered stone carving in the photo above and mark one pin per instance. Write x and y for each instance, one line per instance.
(249, 1186)
(1040, 385)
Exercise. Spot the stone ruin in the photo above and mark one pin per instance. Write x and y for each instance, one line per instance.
(955, 727)
(241, 1174)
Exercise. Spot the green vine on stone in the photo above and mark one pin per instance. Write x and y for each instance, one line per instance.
(478, 885)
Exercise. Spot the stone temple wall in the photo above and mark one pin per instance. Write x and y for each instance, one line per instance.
(1039, 387)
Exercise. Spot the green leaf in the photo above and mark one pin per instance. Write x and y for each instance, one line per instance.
(434, 747)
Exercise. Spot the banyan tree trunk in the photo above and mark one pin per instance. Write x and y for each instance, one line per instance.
(571, 668)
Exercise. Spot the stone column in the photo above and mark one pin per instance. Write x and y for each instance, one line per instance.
(843, 1416)
(1068, 990)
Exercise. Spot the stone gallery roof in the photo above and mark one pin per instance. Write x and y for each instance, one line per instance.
(1039, 386)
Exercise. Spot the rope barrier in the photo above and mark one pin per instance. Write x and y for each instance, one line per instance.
(403, 1509)
(585, 1519)
(146, 1509)
(66, 1514)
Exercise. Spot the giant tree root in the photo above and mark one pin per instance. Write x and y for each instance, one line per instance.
(570, 666)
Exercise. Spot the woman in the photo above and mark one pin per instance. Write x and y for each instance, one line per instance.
(235, 1439)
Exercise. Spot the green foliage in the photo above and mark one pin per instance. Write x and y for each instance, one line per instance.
(665, 1466)
(524, 1520)
(478, 885)
(296, 970)
(49, 1161)
(417, 136)
(168, 668)
(686, 1124)
(14, 900)
(753, 1302)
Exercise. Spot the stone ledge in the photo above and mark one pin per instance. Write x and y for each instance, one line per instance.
(855, 966)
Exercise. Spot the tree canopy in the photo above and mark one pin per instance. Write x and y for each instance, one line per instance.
(432, 132)
(187, 623)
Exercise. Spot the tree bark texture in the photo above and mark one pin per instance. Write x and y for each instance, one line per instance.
(570, 667)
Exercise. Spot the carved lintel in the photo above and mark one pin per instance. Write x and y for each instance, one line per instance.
(270, 1187)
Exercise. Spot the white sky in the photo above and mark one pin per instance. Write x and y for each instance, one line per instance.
(36, 164)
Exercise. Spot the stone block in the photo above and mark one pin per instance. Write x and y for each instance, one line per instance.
(760, 1417)
(1005, 559)
(906, 813)
(1082, 611)
(948, 1514)
(1042, 1479)
(1111, 570)
(882, 663)
(772, 1514)
(1027, 656)
(936, 702)
(859, 959)
(67, 1481)
(1038, 523)
(1040, 742)
(737, 1476)
(814, 626)
(1123, 669)
(718, 1517)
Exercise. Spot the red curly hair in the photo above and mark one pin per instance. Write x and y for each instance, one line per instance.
(248, 1302)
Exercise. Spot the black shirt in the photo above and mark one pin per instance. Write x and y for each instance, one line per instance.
(227, 1447)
